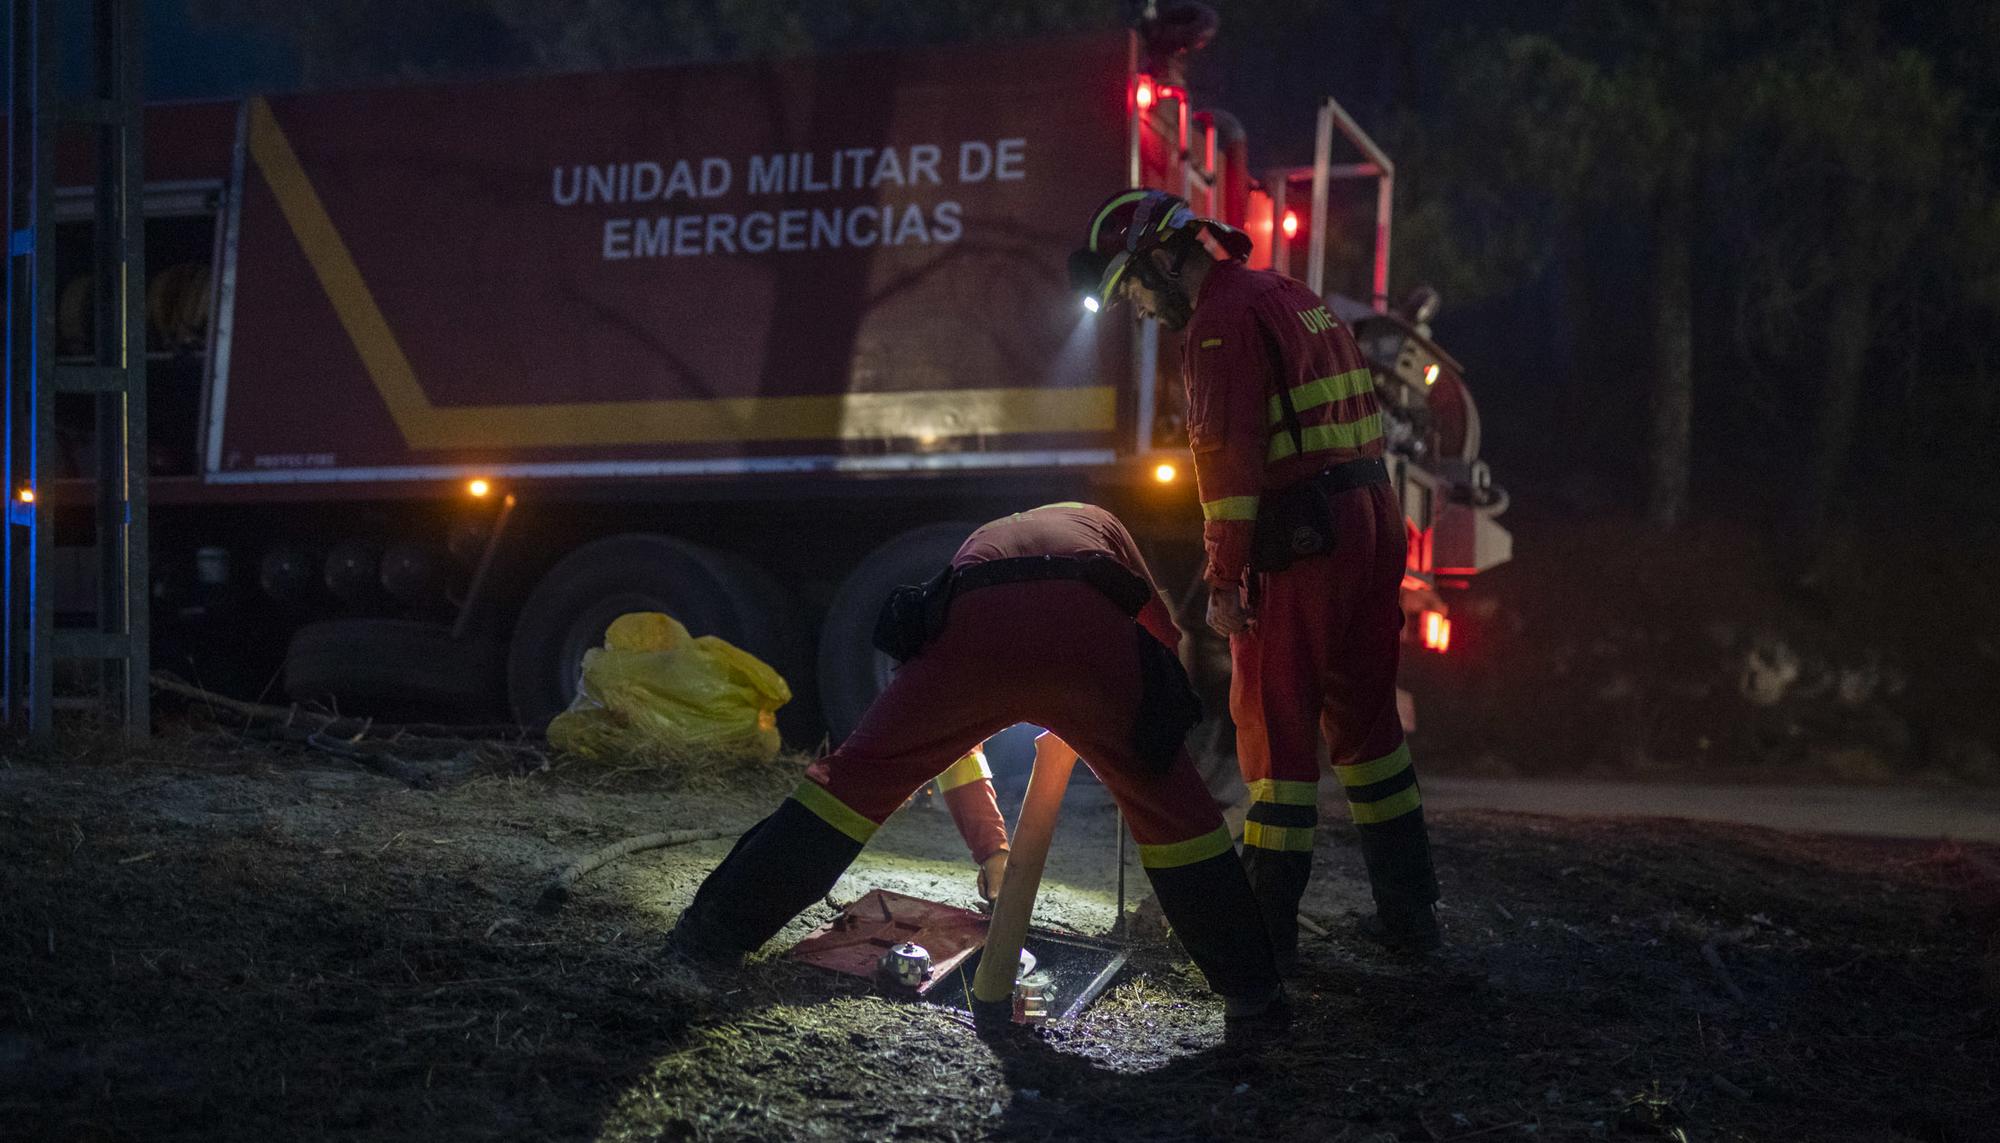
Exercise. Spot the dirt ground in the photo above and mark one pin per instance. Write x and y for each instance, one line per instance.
(222, 940)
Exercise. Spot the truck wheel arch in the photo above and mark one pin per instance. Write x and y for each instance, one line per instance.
(568, 609)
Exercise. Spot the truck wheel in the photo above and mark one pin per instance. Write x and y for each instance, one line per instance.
(851, 671)
(396, 668)
(569, 609)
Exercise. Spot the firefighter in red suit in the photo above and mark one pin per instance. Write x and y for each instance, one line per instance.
(1049, 617)
(1305, 550)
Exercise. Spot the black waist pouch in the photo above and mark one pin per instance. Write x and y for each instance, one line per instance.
(1292, 523)
(1168, 706)
(912, 616)
(1296, 522)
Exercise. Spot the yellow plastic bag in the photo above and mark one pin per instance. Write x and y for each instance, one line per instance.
(653, 689)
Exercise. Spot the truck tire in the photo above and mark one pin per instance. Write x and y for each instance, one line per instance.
(851, 671)
(569, 609)
(393, 668)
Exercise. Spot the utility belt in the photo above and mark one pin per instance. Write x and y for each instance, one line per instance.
(1296, 521)
(914, 616)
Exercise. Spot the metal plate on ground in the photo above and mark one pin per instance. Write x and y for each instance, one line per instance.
(1072, 971)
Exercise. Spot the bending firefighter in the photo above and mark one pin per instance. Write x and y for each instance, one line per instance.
(1048, 617)
(1305, 550)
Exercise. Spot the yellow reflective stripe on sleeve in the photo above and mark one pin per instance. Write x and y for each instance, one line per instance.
(1284, 839)
(1368, 773)
(833, 811)
(1393, 806)
(1211, 343)
(964, 772)
(1230, 508)
(1277, 792)
(1213, 844)
(1324, 391)
(1351, 435)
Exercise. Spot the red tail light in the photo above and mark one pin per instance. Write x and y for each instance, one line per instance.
(1291, 224)
(1437, 632)
(1144, 95)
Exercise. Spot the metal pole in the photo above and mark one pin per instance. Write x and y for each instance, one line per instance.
(30, 337)
(1278, 182)
(1316, 241)
(1385, 195)
(466, 609)
(1118, 923)
(1384, 191)
(137, 624)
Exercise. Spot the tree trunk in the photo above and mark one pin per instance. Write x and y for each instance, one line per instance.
(1581, 400)
(1672, 405)
(1847, 334)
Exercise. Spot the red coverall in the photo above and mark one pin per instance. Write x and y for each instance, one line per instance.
(1056, 653)
(1322, 654)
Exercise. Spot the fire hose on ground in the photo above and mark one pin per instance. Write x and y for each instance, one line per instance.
(993, 983)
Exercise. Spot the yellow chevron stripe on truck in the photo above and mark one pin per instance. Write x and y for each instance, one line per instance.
(846, 416)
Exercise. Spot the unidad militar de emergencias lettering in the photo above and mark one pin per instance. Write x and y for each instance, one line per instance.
(693, 233)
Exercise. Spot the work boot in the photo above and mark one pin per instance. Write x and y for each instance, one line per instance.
(687, 945)
(1278, 881)
(1404, 928)
(1207, 903)
(776, 869)
(1258, 1021)
(1404, 884)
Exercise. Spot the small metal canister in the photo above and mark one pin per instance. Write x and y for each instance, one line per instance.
(1034, 996)
(906, 966)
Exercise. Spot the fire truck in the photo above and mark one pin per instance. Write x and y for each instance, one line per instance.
(444, 378)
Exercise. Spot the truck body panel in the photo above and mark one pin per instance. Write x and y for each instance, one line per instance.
(674, 272)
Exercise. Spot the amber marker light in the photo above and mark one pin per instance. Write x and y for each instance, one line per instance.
(27, 495)
(1437, 632)
(479, 486)
(1431, 374)
(1165, 473)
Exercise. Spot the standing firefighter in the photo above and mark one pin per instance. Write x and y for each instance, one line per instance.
(1050, 617)
(1305, 544)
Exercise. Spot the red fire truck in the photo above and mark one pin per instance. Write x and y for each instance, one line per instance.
(444, 378)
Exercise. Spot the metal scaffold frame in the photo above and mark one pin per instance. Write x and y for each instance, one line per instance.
(111, 114)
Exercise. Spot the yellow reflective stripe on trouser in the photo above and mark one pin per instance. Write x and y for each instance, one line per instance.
(1286, 839)
(1393, 806)
(833, 811)
(1230, 508)
(1369, 773)
(1283, 793)
(1212, 844)
(1351, 435)
(1324, 391)
(964, 772)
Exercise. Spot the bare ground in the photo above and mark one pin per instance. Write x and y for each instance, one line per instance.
(216, 939)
